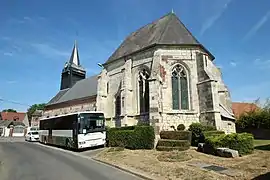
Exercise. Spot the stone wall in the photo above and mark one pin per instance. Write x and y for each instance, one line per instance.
(206, 88)
(87, 106)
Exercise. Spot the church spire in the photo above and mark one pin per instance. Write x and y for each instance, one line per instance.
(74, 58)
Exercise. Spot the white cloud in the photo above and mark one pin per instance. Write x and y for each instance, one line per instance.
(7, 54)
(257, 26)
(49, 50)
(11, 82)
(233, 64)
(262, 64)
(214, 18)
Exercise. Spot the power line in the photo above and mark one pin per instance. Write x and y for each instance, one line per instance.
(13, 102)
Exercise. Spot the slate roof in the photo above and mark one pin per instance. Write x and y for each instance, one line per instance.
(168, 30)
(83, 88)
(58, 96)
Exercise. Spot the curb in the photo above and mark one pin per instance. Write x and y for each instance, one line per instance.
(123, 169)
(99, 161)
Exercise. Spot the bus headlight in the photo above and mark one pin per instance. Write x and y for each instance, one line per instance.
(83, 142)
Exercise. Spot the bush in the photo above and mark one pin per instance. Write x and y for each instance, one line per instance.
(176, 135)
(181, 127)
(212, 133)
(242, 142)
(173, 143)
(165, 148)
(254, 120)
(197, 130)
(138, 137)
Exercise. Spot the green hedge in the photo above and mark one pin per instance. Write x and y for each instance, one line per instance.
(141, 137)
(242, 142)
(198, 130)
(212, 133)
(173, 143)
(176, 135)
(165, 148)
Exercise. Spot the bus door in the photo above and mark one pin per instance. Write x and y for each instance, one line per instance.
(50, 136)
(75, 133)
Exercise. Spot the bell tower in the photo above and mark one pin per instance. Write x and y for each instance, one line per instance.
(72, 71)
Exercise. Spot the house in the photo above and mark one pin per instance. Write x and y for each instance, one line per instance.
(240, 108)
(12, 128)
(13, 123)
(35, 118)
(160, 74)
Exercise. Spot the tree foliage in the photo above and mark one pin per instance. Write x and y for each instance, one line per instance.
(256, 119)
(33, 108)
(9, 110)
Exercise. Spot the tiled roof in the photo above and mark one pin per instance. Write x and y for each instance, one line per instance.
(168, 30)
(19, 116)
(241, 108)
(7, 123)
(83, 88)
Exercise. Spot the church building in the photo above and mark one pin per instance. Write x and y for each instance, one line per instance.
(160, 74)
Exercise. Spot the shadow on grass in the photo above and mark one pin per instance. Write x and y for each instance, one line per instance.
(263, 147)
(265, 176)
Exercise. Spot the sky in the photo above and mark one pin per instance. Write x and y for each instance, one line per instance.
(37, 37)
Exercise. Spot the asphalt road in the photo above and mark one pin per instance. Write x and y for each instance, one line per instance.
(30, 161)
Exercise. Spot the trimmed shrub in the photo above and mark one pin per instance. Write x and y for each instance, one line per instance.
(165, 148)
(176, 135)
(197, 130)
(181, 127)
(141, 137)
(120, 138)
(212, 133)
(173, 143)
(242, 142)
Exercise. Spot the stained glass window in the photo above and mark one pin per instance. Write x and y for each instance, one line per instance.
(179, 88)
(144, 91)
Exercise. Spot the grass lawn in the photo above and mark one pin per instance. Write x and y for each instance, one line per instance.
(262, 144)
(175, 165)
(259, 142)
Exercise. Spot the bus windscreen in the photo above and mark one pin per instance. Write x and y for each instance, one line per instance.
(90, 122)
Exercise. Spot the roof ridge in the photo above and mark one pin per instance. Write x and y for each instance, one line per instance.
(166, 27)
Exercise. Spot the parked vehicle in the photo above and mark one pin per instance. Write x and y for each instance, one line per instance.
(32, 136)
(74, 130)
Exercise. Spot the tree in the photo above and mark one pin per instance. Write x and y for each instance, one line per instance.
(9, 110)
(33, 108)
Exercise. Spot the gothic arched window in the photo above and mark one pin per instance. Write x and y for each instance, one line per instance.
(144, 91)
(179, 88)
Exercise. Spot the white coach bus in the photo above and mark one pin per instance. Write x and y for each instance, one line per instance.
(74, 131)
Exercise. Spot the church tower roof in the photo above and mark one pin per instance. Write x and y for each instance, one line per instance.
(74, 58)
(168, 30)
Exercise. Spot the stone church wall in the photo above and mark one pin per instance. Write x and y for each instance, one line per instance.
(87, 106)
(186, 57)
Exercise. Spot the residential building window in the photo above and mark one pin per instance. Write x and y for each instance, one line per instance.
(144, 91)
(180, 96)
(107, 87)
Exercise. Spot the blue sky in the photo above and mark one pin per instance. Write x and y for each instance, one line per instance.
(36, 39)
